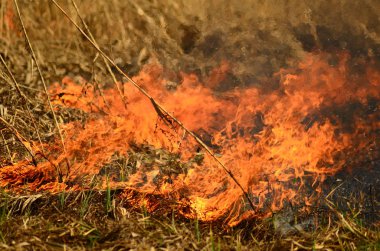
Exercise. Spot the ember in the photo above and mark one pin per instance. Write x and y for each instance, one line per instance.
(280, 145)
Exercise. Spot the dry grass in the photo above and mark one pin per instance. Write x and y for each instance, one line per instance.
(80, 221)
(259, 37)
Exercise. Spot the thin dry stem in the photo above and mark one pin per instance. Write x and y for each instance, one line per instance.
(25, 143)
(25, 100)
(6, 146)
(43, 83)
(16, 85)
(104, 59)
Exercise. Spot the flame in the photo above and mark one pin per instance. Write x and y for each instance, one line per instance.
(8, 17)
(279, 145)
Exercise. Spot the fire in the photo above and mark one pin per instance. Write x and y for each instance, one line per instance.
(279, 145)
(8, 18)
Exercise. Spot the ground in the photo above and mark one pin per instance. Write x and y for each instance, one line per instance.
(257, 39)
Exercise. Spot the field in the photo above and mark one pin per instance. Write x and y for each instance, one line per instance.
(189, 125)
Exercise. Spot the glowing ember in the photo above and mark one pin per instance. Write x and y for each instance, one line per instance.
(279, 145)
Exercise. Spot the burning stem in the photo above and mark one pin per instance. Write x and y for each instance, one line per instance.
(162, 112)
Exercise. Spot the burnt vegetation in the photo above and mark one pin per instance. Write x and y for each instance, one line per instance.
(61, 187)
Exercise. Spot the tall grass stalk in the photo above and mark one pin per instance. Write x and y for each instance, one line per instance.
(108, 197)
(197, 230)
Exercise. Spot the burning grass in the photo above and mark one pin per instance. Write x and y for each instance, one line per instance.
(274, 143)
(124, 169)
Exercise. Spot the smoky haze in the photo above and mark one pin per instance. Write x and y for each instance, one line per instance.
(257, 38)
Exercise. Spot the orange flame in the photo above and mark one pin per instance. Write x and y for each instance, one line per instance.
(8, 18)
(277, 144)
